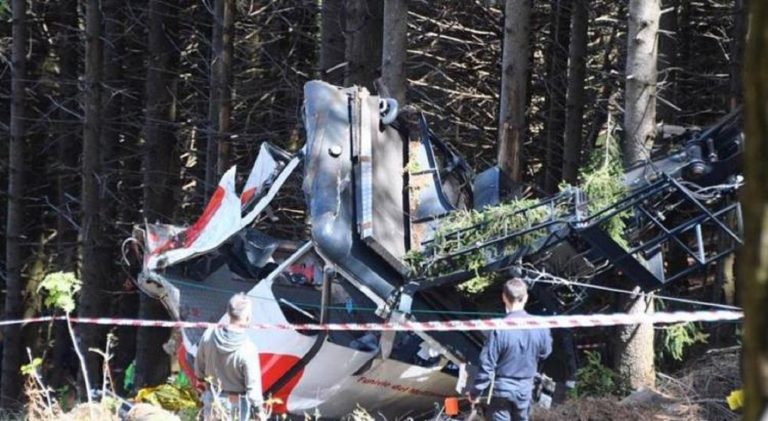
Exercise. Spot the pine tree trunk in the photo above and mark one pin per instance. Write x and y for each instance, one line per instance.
(634, 346)
(364, 29)
(130, 177)
(68, 147)
(557, 83)
(93, 301)
(514, 81)
(220, 102)
(754, 254)
(161, 169)
(574, 116)
(103, 231)
(332, 41)
(640, 110)
(634, 357)
(10, 389)
(395, 48)
(67, 175)
(737, 50)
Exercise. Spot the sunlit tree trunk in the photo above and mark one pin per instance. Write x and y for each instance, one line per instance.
(514, 81)
(640, 110)
(634, 356)
(395, 48)
(364, 41)
(754, 255)
(332, 41)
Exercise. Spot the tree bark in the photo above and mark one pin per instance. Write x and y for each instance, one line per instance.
(640, 110)
(557, 83)
(634, 346)
(754, 254)
(94, 269)
(395, 48)
(634, 357)
(161, 169)
(667, 61)
(130, 176)
(67, 153)
(514, 81)
(220, 102)
(10, 389)
(364, 30)
(737, 50)
(68, 148)
(332, 42)
(574, 114)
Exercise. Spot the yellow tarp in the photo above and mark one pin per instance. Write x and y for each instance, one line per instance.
(168, 397)
(735, 399)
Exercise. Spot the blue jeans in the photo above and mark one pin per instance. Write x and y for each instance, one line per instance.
(229, 407)
(503, 409)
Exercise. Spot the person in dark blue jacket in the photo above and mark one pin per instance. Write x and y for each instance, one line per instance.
(509, 361)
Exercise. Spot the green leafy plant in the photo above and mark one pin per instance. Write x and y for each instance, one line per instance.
(31, 368)
(679, 337)
(60, 289)
(40, 401)
(593, 378)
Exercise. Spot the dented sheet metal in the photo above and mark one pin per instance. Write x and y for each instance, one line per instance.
(223, 216)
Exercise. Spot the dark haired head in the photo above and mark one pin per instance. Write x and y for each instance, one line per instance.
(515, 291)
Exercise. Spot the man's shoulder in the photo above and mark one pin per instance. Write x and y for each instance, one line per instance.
(207, 334)
(248, 352)
(250, 347)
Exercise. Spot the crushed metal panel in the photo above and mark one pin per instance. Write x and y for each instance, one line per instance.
(486, 188)
(379, 183)
(220, 220)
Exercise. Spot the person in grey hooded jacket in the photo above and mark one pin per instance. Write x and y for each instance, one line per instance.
(230, 361)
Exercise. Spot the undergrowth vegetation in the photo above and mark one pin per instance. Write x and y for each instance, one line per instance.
(593, 378)
(677, 338)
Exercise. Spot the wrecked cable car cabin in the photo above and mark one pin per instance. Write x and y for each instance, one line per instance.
(378, 186)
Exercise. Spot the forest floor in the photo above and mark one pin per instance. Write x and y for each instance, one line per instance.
(697, 392)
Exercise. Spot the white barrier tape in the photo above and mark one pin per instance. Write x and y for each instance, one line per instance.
(517, 323)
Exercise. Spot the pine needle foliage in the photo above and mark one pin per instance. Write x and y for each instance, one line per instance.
(602, 182)
(467, 228)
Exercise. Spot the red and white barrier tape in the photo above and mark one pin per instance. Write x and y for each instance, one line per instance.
(532, 322)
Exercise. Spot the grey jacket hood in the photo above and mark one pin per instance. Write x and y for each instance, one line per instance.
(228, 340)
